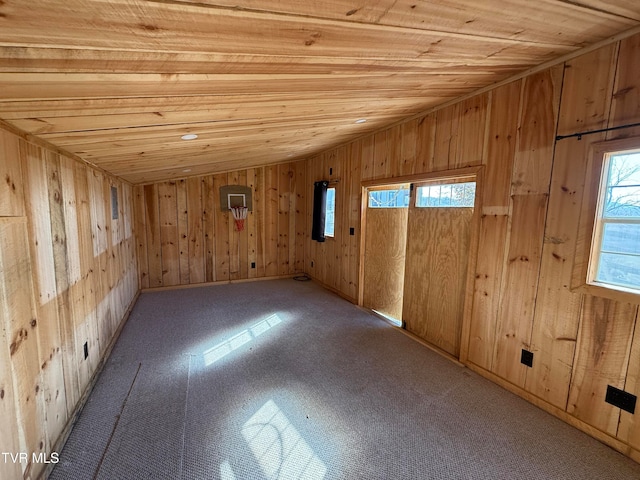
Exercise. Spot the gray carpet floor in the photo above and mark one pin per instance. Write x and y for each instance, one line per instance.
(284, 380)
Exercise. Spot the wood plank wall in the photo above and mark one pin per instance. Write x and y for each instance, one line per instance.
(185, 238)
(528, 232)
(335, 262)
(69, 274)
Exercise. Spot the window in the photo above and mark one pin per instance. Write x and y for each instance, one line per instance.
(330, 209)
(454, 195)
(114, 203)
(397, 197)
(615, 249)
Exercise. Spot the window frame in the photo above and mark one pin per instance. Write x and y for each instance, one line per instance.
(335, 198)
(589, 240)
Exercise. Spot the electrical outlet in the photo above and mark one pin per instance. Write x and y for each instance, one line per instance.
(311, 263)
(352, 231)
(526, 358)
(330, 170)
(86, 350)
(253, 264)
(621, 399)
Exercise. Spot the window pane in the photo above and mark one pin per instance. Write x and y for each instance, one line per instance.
(622, 195)
(451, 195)
(330, 217)
(621, 238)
(114, 203)
(619, 269)
(398, 198)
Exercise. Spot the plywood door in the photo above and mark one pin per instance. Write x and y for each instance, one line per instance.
(384, 260)
(435, 273)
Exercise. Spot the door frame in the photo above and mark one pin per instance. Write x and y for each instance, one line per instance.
(474, 173)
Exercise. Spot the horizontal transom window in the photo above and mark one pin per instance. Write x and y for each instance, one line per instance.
(449, 195)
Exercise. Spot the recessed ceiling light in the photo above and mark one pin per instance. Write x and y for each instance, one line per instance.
(189, 136)
(361, 120)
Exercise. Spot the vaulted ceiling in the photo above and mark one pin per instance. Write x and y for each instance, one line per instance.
(119, 82)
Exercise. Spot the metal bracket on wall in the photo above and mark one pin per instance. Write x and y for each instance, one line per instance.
(592, 132)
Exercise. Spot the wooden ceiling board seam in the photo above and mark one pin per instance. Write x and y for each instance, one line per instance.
(221, 111)
(81, 62)
(58, 108)
(72, 86)
(46, 127)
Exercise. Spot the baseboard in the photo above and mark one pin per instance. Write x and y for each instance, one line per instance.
(64, 436)
(221, 282)
(599, 435)
(333, 289)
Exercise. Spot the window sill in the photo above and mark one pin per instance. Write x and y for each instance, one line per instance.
(612, 292)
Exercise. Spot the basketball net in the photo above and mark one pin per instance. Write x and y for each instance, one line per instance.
(239, 215)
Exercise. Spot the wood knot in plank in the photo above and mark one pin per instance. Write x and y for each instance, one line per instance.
(554, 240)
(314, 36)
(34, 322)
(20, 337)
(148, 27)
(1, 394)
(623, 92)
(352, 12)
(10, 183)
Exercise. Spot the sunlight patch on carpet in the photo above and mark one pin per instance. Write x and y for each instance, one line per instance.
(225, 347)
(279, 448)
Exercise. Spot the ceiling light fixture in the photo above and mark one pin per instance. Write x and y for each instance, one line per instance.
(186, 170)
(361, 120)
(189, 136)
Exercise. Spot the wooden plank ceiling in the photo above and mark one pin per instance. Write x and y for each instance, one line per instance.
(118, 82)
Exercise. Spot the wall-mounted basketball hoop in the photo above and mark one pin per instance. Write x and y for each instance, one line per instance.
(237, 200)
(239, 215)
